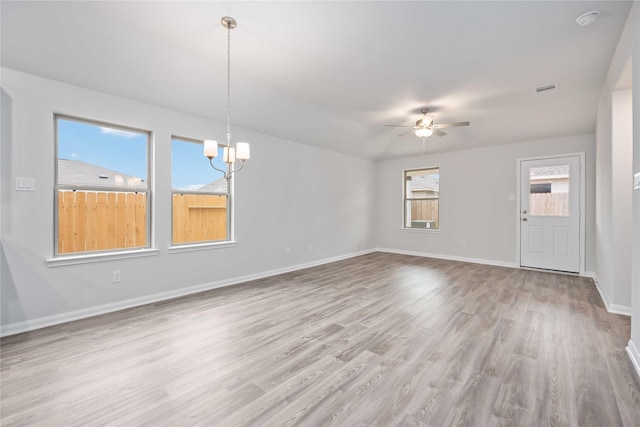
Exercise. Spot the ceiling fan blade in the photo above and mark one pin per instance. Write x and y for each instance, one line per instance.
(450, 125)
(398, 126)
(409, 131)
(438, 132)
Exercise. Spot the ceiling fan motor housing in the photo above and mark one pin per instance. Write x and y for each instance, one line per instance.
(426, 121)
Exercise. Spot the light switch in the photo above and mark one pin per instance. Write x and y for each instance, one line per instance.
(25, 184)
(636, 181)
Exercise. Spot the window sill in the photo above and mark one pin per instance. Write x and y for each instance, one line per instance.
(201, 246)
(421, 230)
(61, 261)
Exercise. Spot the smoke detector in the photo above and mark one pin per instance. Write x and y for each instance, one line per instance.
(588, 18)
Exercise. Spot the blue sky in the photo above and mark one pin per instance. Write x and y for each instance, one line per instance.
(126, 152)
(190, 167)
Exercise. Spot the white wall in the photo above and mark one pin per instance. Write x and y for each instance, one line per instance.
(475, 205)
(613, 194)
(618, 265)
(318, 203)
(621, 195)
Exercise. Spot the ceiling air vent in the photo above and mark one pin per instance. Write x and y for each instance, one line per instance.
(546, 88)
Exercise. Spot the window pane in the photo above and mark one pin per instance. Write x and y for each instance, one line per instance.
(191, 171)
(101, 187)
(424, 213)
(93, 155)
(549, 191)
(101, 220)
(198, 216)
(421, 193)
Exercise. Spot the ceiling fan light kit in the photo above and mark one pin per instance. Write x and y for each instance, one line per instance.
(423, 132)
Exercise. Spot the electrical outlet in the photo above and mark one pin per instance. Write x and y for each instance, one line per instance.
(287, 250)
(117, 276)
(463, 243)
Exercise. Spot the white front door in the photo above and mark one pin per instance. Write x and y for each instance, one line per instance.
(550, 213)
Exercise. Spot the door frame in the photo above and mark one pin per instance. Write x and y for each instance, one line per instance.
(582, 243)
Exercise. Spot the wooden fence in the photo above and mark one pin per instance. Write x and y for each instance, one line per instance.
(99, 220)
(103, 220)
(549, 204)
(199, 217)
(425, 210)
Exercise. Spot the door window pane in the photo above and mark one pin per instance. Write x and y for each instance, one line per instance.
(549, 191)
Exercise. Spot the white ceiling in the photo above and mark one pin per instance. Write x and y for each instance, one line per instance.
(331, 74)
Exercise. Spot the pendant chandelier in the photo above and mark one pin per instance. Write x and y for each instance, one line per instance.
(241, 150)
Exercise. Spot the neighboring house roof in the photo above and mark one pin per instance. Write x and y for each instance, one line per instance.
(550, 172)
(217, 186)
(83, 173)
(76, 172)
(425, 183)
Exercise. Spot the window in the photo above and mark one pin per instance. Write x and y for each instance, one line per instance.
(200, 197)
(421, 197)
(102, 187)
(544, 187)
(549, 190)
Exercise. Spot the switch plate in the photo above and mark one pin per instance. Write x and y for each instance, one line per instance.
(25, 184)
(636, 181)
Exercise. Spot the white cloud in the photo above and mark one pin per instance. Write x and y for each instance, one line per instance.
(75, 155)
(119, 132)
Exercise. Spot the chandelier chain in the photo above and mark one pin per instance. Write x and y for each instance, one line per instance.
(228, 86)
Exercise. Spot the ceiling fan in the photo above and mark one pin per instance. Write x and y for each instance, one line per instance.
(425, 127)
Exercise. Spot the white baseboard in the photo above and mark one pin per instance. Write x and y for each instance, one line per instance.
(622, 310)
(449, 257)
(43, 322)
(611, 308)
(634, 355)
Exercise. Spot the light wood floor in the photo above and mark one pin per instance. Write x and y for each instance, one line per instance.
(378, 340)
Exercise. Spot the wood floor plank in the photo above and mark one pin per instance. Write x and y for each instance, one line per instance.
(321, 397)
(556, 389)
(380, 339)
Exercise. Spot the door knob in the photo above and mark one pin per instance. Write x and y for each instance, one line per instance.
(524, 219)
(524, 211)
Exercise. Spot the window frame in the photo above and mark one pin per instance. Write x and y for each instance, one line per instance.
(406, 199)
(67, 258)
(203, 244)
